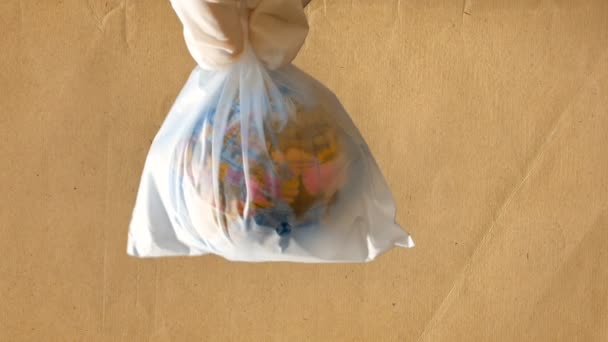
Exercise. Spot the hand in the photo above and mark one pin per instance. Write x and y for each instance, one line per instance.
(214, 35)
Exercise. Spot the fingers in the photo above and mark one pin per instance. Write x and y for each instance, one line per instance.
(277, 30)
(212, 31)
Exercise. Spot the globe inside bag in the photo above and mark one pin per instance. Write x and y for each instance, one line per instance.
(258, 165)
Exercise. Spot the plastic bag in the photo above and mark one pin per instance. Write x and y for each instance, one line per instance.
(259, 165)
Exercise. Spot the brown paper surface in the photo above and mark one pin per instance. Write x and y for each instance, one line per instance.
(489, 120)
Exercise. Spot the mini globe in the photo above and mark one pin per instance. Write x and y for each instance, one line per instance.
(288, 177)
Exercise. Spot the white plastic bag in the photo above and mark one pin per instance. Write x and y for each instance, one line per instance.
(259, 165)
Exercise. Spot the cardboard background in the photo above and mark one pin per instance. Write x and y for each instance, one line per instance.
(488, 118)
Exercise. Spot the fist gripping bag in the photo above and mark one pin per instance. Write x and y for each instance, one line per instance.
(254, 164)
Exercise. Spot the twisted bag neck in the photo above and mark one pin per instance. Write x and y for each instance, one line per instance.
(216, 31)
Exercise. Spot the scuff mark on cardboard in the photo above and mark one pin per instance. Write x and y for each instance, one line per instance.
(102, 20)
(466, 9)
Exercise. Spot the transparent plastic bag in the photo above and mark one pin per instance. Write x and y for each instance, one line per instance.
(259, 165)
